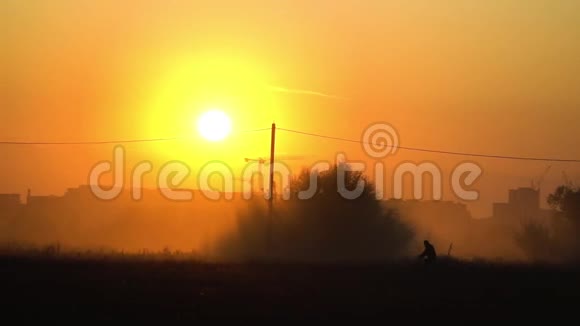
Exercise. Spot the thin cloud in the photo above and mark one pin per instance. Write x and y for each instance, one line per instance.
(301, 91)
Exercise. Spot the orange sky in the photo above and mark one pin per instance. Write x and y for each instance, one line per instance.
(498, 77)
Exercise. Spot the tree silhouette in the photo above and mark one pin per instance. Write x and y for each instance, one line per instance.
(325, 227)
(562, 239)
(566, 200)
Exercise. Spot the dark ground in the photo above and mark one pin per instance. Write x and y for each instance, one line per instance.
(93, 289)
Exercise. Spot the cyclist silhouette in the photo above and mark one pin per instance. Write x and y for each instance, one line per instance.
(429, 255)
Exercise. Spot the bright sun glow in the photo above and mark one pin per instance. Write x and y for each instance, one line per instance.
(214, 125)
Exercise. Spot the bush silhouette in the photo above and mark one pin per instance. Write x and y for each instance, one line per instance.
(324, 228)
(560, 240)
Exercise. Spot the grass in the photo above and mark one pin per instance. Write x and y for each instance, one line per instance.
(168, 290)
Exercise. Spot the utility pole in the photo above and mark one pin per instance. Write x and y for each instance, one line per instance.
(271, 188)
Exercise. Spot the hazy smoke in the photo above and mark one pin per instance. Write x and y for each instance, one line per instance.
(325, 228)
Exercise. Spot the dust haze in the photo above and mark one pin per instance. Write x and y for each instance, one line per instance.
(324, 228)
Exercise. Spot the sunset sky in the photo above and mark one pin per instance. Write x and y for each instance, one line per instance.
(494, 77)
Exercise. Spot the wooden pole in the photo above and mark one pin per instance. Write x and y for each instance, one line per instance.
(271, 188)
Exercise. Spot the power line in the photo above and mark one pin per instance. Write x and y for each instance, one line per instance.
(89, 142)
(522, 158)
(103, 142)
(415, 149)
(255, 130)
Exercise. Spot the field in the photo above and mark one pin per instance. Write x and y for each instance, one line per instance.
(167, 290)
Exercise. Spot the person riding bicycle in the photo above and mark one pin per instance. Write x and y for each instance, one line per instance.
(429, 255)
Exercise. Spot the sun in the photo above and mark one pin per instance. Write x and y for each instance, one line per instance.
(214, 125)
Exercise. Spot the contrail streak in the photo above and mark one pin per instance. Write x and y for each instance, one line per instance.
(300, 91)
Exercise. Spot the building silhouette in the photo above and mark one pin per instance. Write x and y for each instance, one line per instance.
(522, 203)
